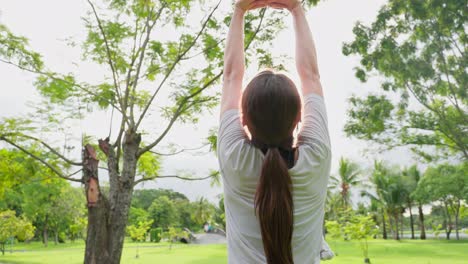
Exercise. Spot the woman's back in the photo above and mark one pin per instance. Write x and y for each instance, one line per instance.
(274, 214)
(241, 165)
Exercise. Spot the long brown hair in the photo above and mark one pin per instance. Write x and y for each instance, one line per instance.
(271, 108)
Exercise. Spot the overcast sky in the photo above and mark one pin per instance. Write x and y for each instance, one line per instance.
(47, 23)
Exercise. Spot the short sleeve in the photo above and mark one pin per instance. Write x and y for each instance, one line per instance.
(230, 131)
(314, 132)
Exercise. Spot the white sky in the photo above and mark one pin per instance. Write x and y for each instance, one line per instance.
(47, 23)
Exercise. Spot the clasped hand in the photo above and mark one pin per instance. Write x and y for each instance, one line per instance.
(246, 5)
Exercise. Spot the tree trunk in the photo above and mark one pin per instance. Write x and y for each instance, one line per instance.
(45, 232)
(402, 218)
(457, 213)
(97, 239)
(448, 225)
(411, 220)
(397, 234)
(121, 191)
(384, 235)
(56, 237)
(390, 222)
(422, 235)
(107, 217)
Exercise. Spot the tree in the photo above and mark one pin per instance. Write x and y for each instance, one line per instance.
(410, 178)
(41, 203)
(121, 37)
(138, 232)
(352, 226)
(137, 215)
(203, 211)
(220, 212)
(348, 175)
(419, 197)
(390, 193)
(163, 213)
(445, 183)
(12, 226)
(419, 49)
(361, 228)
(145, 197)
(15, 167)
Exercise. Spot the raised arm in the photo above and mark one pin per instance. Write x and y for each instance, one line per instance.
(234, 58)
(306, 55)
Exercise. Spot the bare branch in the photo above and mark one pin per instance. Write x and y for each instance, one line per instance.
(74, 173)
(48, 165)
(179, 151)
(48, 147)
(141, 51)
(172, 176)
(178, 59)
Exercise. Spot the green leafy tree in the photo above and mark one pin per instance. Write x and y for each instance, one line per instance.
(410, 178)
(220, 213)
(361, 228)
(184, 211)
(137, 215)
(419, 50)
(334, 231)
(348, 176)
(139, 231)
(77, 229)
(13, 227)
(203, 211)
(389, 192)
(445, 183)
(413, 177)
(15, 167)
(436, 229)
(333, 205)
(146, 74)
(143, 198)
(163, 213)
(42, 203)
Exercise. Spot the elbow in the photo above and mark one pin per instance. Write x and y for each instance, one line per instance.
(232, 74)
(308, 74)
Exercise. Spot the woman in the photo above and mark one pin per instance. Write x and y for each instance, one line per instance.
(274, 190)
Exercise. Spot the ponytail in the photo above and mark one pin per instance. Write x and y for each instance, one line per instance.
(274, 208)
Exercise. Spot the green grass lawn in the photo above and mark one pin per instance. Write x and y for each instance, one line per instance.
(380, 252)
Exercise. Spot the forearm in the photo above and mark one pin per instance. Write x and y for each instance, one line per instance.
(234, 58)
(306, 55)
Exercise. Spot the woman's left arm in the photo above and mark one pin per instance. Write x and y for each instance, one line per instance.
(234, 57)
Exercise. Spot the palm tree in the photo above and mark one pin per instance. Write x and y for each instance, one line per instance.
(411, 177)
(202, 211)
(333, 205)
(348, 175)
(377, 208)
(390, 192)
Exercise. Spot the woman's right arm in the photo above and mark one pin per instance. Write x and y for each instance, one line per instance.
(306, 55)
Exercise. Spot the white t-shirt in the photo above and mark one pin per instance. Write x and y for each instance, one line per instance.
(240, 165)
